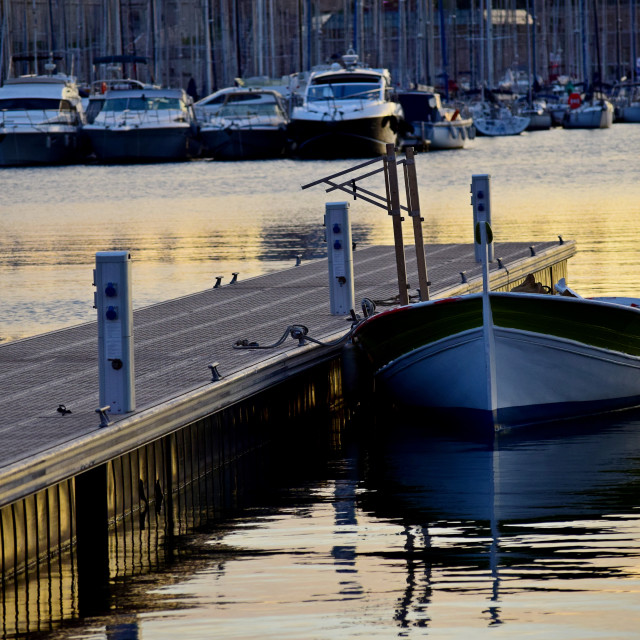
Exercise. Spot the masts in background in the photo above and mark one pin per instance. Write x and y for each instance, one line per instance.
(632, 34)
(443, 50)
(421, 41)
(583, 40)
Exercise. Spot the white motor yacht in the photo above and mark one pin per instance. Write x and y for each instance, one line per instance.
(243, 124)
(143, 124)
(40, 120)
(431, 125)
(348, 111)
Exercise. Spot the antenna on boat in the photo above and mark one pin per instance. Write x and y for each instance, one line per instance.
(350, 59)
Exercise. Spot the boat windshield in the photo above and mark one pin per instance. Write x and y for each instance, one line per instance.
(33, 104)
(250, 109)
(355, 91)
(142, 103)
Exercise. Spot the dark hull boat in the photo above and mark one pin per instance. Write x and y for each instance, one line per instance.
(357, 138)
(347, 112)
(246, 124)
(149, 144)
(145, 124)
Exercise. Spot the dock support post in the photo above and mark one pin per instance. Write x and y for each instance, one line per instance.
(413, 203)
(393, 198)
(92, 535)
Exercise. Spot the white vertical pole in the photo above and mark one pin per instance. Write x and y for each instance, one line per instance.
(339, 249)
(481, 201)
(113, 302)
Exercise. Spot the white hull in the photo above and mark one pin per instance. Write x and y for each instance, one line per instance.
(536, 376)
(529, 358)
(631, 113)
(597, 116)
(345, 130)
(449, 135)
(40, 120)
(501, 126)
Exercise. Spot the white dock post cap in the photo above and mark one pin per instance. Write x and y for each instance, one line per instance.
(113, 256)
(336, 205)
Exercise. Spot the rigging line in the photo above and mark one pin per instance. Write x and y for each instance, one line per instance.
(362, 177)
(357, 195)
(340, 173)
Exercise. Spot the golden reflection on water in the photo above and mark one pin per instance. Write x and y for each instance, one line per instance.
(187, 223)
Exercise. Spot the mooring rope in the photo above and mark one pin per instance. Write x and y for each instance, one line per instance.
(300, 332)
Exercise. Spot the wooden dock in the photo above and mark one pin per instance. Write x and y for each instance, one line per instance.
(176, 341)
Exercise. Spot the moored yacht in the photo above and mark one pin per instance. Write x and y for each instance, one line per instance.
(144, 124)
(595, 112)
(431, 125)
(626, 101)
(348, 111)
(40, 119)
(246, 124)
(498, 120)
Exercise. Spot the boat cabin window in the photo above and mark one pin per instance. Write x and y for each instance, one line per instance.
(213, 101)
(142, 103)
(359, 91)
(31, 104)
(250, 105)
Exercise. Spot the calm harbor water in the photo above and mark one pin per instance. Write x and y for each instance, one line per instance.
(187, 223)
(399, 533)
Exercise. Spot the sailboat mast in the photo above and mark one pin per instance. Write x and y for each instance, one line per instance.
(208, 48)
(634, 55)
(354, 39)
(597, 39)
(489, 44)
(533, 41)
(443, 50)
(529, 56)
(35, 38)
(583, 33)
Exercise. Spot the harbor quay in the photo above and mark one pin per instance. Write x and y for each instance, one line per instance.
(219, 375)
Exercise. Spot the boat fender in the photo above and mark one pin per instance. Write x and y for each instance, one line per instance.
(453, 132)
(463, 133)
(472, 132)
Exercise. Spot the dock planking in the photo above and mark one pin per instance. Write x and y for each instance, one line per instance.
(177, 340)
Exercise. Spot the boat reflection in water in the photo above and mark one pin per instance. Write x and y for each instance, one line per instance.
(515, 516)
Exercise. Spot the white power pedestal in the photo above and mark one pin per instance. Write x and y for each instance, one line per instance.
(340, 253)
(481, 202)
(112, 279)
